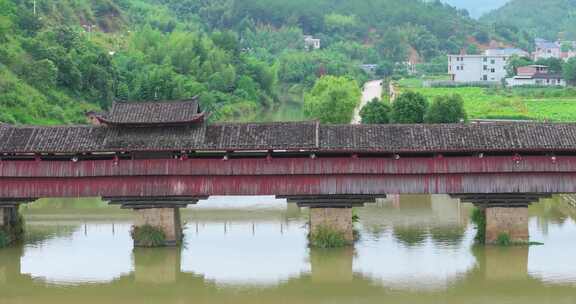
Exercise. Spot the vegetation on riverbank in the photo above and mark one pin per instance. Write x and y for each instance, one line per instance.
(327, 237)
(12, 232)
(478, 217)
(148, 236)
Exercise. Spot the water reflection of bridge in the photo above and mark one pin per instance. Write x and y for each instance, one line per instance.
(157, 276)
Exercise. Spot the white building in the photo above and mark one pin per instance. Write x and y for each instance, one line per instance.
(311, 43)
(477, 68)
(554, 49)
(546, 49)
(507, 52)
(536, 75)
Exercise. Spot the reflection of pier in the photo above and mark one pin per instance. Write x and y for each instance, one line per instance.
(490, 281)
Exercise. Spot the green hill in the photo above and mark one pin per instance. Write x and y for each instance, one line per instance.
(549, 19)
(245, 59)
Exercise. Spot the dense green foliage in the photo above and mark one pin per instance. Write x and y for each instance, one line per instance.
(376, 112)
(14, 231)
(148, 236)
(569, 71)
(246, 59)
(326, 237)
(76, 55)
(332, 100)
(478, 217)
(410, 107)
(446, 109)
(546, 19)
(477, 8)
(53, 73)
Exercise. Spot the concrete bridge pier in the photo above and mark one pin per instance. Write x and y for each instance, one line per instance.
(505, 214)
(160, 213)
(333, 212)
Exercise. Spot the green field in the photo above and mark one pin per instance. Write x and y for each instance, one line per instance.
(551, 104)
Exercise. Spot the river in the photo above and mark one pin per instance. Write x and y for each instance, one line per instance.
(413, 249)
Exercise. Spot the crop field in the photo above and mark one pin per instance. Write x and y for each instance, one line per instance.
(549, 104)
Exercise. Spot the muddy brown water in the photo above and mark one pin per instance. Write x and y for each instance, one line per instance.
(413, 249)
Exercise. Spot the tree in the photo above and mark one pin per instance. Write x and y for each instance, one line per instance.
(332, 100)
(515, 62)
(570, 70)
(376, 112)
(42, 74)
(408, 108)
(472, 49)
(5, 26)
(446, 109)
(553, 64)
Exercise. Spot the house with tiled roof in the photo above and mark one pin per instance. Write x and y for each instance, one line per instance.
(536, 75)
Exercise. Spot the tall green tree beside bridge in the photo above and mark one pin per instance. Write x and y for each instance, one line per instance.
(409, 108)
(446, 109)
(376, 112)
(332, 100)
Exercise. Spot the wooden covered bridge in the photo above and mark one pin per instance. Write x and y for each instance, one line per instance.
(157, 157)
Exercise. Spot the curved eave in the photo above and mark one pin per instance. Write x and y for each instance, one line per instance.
(198, 118)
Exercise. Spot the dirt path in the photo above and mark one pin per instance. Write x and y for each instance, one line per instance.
(371, 90)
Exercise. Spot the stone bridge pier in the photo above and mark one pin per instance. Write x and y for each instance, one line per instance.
(505, 214)
(11, 225)
(160, 213)
(332, 211)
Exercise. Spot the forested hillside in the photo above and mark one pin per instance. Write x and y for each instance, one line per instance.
(477, 8)
(549, 19)
(60, 58)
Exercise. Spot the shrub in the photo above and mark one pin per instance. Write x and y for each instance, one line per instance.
(148, 236)
(503, 240)
(326, 237)
(478, 217)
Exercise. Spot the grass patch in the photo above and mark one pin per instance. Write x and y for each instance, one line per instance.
(326, 237)
(148, 236)
(355, 216)
(478, 217)
(555, 105)
(503, 240)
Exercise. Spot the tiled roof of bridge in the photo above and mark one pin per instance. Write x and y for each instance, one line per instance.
(152, 112)
(145, 139)
(449, 137)
(51, 139)
(509, 137)
(262, 136)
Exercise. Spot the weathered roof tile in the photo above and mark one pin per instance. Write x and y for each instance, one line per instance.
(509, 137)
(152, 112)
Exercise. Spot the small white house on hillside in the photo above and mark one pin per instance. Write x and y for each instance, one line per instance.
(311, 43)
